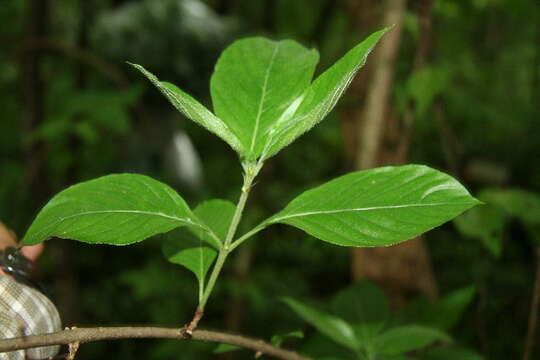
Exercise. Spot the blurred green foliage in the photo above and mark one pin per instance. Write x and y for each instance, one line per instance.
(480, 92)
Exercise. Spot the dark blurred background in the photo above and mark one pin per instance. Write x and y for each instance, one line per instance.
(455, 85)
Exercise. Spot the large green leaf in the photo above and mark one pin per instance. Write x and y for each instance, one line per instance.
(364, 306)
(192, 250)
(254, 82)
(403, 339)
(115, 209)
(320, 98)
(333, 327)
(194, 110)
(376, 207)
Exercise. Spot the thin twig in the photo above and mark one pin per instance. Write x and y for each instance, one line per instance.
(84, 335)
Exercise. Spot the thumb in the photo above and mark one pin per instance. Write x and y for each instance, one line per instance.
(33, 252)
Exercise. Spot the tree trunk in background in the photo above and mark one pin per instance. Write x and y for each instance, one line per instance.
(35, 187)
(383, 139)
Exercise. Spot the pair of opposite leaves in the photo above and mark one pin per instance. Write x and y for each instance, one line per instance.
(263, 99)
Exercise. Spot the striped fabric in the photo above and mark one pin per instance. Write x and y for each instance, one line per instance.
(26, 311)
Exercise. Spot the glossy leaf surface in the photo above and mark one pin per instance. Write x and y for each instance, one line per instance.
(254, 82)
(321, 97)
(377, 207)
(115, 209)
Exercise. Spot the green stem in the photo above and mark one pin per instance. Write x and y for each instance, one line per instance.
(251, 171)
(247, 235)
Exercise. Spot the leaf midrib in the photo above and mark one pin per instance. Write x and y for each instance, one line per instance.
(263, 95)
(182, 220)
(337, 211)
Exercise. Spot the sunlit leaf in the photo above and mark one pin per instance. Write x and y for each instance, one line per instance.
(115, 209)
(255, 81)
(377, 207)
(320, 98)
(194, 110)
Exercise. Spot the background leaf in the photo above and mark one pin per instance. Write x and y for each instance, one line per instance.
(443, 314)
(450, 353)
(377, 207)
(115, 209)
(485, 223)
(321, 97)
(333, 327)
(278, 339)
(407, 338)
(364, 306)
(266, 77)
(524, 205)
(194, 110)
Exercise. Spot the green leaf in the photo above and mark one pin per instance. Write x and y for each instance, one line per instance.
(193, 253)
(333, 327)
(320, 98)
(376, 207)
(451, 353)
(444, 314)
(278, 339)
(447, 312)
(403, 339)
(194, 110)
(524, 205)
(224, 348)
(254, 83)
(364, 306)
(115, 209)
(183, 248)
(485, 223)
(217, 215)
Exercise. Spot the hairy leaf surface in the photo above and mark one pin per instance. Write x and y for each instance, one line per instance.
(194, 110)
(254, 82)
(194, 250)
(115, 209)
(376, 207)
(320, 98)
